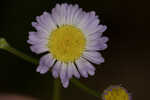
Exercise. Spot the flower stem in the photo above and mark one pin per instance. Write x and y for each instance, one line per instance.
(86, 89)
(21, 55)
(5, 46)
(57, 87)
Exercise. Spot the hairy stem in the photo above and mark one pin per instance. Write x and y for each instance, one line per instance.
(21, 55)
(57, 87)
(84, 88)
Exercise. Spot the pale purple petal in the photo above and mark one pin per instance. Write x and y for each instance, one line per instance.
(66, 84)
(39, 48)
(56, 69)
(89, 23)
(93, 56)
(47, 60)
(56, 14)
(45, 64)
(91, 72)
(78, 16)
(102, 28)
(72, 71)
(38, 69)
(85, 67)
(72, 12)
(83, 22)
(88, 67)
(64, 8)
(97, 47)
(46, 22)
(38, 27)
(92, 27)
(42, 69)
(36, 38)
(97, 44)
(63, 73)
(42, 23)
(105, 39)
(97, 28)
(94, 36)
(81, 67)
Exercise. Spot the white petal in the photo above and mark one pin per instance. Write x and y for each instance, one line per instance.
(39, 27)
(63, 72)
(102, 28)
(96, 28)
(92, 27)
(62, 7)
(56, 14)
(81, 67)
(83, 21)
(88, 67)
(80, 19)
(94, 36)
(39, 48)
(34, 42)
(36, 38)
(46, 21)
(42, 69)
(42, 23)
(97, 44)
(39, 35)
(64, 75)
(105, 39)
(64, 14)
(66, 84)
(72, 70)
(97, 36)
(51, 22)
(56, 69)
(91, 72)
(77, 16)
(89, 23)
(93, 56)
(38, 68)
(59, 14)
(45, 63)
(72, 11)
(97, 47)
(47, 60)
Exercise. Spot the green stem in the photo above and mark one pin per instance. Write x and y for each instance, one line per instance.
(21, 55)
(57, 87)
(84, 88)
(5, 46)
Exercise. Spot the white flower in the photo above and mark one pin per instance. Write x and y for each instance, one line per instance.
(70, 38)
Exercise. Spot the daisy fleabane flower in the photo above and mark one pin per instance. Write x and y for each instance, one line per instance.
(70, 39)
(116, 92)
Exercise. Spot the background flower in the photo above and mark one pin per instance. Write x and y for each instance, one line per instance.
(116, 93)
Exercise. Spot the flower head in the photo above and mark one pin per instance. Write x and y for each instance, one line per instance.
(116, 93)
(70, 38)
(3, 43)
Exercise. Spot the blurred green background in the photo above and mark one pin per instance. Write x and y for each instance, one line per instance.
(127, 57)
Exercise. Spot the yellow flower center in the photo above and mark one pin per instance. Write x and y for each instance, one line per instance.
(66, 43)
(116, 93)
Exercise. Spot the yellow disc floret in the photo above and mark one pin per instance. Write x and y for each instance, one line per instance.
(115, 93)
(66, 43)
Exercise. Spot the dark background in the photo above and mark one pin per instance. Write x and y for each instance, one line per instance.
(127, 57)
